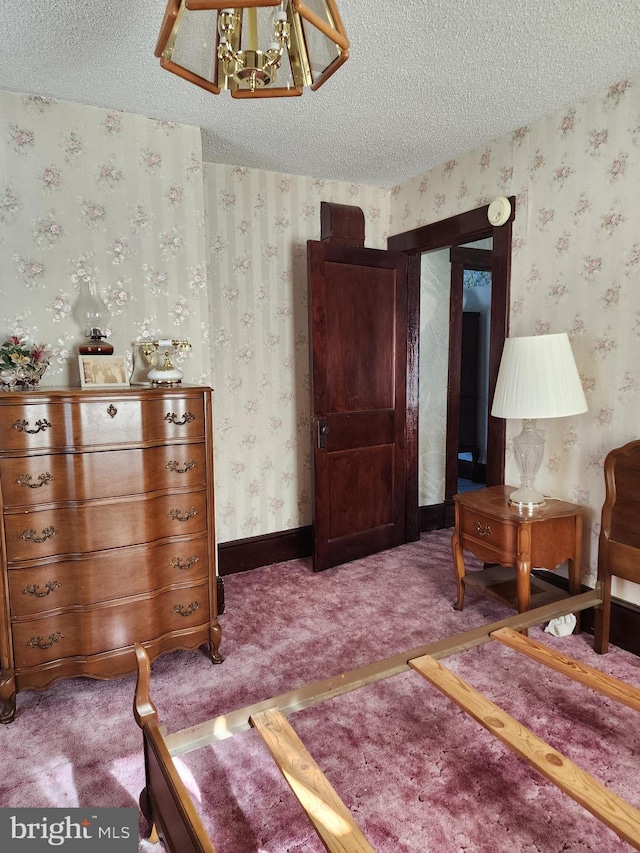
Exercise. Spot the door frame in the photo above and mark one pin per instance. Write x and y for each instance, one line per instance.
(456, 230)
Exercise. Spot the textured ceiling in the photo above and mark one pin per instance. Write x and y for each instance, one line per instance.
(426, 80)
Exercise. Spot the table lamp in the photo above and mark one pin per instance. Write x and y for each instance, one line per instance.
(537, 378)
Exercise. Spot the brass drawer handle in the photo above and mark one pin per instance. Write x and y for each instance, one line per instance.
(43, 479)
(178, 564)
(32, 589)
(175, 514)
(172, 418)
(22, 426)
(41, 643)
(185, 611)
(483, 529)
(112, 411)
(30, 535)
(172, 465)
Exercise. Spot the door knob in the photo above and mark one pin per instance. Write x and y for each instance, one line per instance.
(323, 432)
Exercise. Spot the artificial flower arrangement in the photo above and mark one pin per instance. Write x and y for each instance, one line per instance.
(22, 365)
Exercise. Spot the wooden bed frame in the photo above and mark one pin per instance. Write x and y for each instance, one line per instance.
(167, 805)
(619, 545)
(165, 800)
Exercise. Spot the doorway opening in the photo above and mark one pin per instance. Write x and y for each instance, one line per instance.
(455, 232)
(455, 318)
(473, 262)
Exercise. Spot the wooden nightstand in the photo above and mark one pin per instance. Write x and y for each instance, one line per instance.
(498, 533)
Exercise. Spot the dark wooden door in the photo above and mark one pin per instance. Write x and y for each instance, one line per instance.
(358, 331)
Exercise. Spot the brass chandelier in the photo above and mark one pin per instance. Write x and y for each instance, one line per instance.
(257, 48)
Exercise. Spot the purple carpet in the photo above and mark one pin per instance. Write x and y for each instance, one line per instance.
(417, 774)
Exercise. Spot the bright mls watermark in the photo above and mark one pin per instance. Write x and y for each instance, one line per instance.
(70, 830)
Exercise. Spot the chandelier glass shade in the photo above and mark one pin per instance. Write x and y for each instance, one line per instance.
(256, 48)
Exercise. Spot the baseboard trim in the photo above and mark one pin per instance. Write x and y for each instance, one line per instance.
(436, 517)
(625, 616)
(241, 555)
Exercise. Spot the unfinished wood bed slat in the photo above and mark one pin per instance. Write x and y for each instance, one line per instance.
(330, 817)
(607, 806)
(230, 724)
(615, 689)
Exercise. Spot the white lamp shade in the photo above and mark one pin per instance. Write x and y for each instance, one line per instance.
(538, 378)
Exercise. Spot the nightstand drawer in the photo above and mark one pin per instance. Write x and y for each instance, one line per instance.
(488, 532)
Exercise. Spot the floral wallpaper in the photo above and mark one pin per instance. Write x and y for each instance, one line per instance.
(576, 268)
(217, 254)
(258, 224)
(102, 198)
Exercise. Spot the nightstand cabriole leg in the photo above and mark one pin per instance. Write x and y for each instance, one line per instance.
(458, 562)
(523, 569)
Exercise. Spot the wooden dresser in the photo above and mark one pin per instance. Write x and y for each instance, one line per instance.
(107, 535)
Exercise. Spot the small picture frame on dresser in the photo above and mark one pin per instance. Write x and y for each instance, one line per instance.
(103, 371)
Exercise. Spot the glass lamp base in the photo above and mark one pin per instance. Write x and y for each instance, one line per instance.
(526, 498)
(528, 450)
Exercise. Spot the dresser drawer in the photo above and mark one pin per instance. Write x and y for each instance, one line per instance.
(495, 534)
(101, 628)
(34, 426)
(124, 421)
(34, 590)
(35, 480)
(100, 526)
(99, 421)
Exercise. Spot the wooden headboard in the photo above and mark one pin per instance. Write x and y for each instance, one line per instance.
(619, 546)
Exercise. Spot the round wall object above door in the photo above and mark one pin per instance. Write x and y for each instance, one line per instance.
(499, 211)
